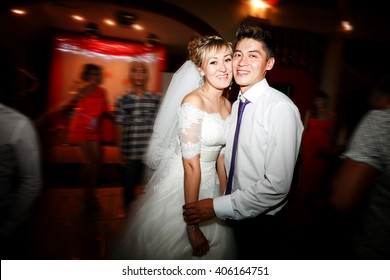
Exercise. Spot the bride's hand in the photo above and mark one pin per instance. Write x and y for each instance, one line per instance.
(199, 243)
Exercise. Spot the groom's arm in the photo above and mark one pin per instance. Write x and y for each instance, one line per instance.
(198, 212)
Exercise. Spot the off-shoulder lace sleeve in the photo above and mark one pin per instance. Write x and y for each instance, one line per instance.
(190, 127)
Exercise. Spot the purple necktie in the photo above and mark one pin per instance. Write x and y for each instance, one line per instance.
(241, 108)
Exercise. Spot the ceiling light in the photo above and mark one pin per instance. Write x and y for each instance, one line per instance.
(109, 22)
(77, 17)
(259, 8)
(346, 26)
(18, 11)
(138, 27)
(259, 4)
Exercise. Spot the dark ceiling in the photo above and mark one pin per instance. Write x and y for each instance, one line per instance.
(174, 22)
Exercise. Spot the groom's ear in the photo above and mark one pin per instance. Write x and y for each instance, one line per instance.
(270, 63)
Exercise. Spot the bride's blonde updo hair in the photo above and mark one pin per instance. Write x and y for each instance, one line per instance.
(199, 47)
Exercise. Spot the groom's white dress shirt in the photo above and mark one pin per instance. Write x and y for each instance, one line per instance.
(268, 147)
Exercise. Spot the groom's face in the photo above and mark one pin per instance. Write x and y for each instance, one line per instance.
(250, 63)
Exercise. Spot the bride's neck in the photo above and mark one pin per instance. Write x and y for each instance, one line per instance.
(211, 93)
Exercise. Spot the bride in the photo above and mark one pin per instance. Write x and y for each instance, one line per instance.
(186, 155)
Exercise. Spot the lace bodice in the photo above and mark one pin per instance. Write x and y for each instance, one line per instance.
(200, 133)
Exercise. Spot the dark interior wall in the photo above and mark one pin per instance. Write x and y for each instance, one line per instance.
(365, 62)
(31, 42)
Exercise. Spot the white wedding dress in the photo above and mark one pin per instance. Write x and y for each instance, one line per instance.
(155, 228)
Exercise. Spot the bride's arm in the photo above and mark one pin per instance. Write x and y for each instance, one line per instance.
(192, 175)
(191, 178)
(190, 120)
(190, 128)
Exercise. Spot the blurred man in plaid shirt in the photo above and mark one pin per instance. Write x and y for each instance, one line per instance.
(135, 112)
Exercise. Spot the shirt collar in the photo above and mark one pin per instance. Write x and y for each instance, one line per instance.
(254, 92)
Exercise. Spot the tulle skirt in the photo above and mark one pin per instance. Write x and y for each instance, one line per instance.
(155, 228)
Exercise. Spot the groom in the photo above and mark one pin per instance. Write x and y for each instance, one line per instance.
(268, 146)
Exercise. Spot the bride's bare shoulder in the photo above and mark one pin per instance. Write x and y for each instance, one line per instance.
(194, 98)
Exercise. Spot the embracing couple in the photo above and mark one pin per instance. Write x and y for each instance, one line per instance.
(231, 188)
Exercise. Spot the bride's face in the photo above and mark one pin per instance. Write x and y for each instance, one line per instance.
(217, 68)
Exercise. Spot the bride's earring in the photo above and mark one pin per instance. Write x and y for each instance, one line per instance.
(201, 82)
(230, 86)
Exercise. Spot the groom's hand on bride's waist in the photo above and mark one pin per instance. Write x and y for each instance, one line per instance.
(198, 212)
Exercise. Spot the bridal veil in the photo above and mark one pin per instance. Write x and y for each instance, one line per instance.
(163, 140)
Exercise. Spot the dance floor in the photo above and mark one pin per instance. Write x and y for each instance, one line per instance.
(64, 228)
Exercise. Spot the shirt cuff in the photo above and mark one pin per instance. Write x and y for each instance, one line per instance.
(223, 207)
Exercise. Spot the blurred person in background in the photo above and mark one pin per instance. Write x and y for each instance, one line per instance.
(24, 98)
(135, 112)
(86, 109)
(317, 137)
(20, 165)
(360, 190)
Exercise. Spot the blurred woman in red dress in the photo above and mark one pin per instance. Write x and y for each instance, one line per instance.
(90, 105)
(317, 137)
